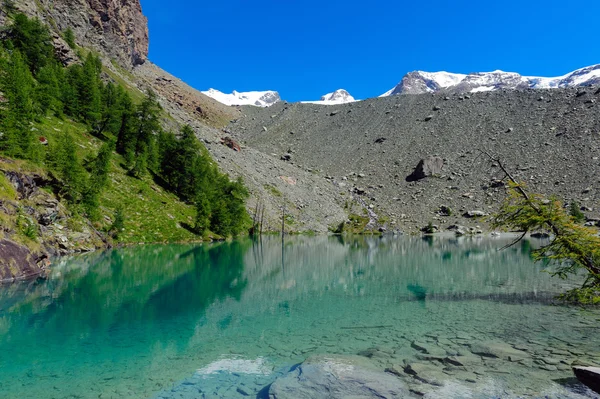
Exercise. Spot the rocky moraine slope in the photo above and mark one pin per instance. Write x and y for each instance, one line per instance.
(368, 151)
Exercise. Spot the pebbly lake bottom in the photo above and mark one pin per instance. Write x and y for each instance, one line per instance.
(451, 318)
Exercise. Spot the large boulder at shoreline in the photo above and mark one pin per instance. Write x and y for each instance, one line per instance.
(589, 376)
(337, 377)
(17, 262)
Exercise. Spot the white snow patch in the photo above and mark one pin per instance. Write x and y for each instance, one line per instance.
(444, 79)
(482, 88)
(237, 365)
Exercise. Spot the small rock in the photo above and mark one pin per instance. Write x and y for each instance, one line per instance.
(474, 214)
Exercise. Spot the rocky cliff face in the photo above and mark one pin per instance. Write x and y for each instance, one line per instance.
(116, 28)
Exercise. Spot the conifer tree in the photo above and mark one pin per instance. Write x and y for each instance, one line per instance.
(89, 86)
(48, 90)
(33, 39)
(99, 178)
(70, 171)
(147, 126)
(69, 37)
(16, 83)
(203, 214)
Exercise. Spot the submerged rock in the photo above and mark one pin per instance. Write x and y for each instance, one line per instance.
(498, 350)
(337, 377)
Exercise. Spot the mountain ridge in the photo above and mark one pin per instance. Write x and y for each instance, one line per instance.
(420, 82)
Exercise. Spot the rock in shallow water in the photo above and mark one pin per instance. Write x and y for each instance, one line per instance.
(337, 377)
(498, 350)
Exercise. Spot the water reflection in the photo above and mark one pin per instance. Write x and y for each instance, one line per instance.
(153, 314)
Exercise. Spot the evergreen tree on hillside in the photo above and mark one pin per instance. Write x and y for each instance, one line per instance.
(48, 91)
(203, 214)
(229, 215)
(115, 102)
(125, 134)
(69, 37)
(189, 164)
(16, 83)
(99, 169)
(33, 39)
(144, 153)
(70, 90)
(89, 88)
(63, 157)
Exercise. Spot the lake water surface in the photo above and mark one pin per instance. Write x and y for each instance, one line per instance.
(224, 320)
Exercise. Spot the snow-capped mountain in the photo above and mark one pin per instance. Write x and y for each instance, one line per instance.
(428, 82)
(257, 98)
(339, 96)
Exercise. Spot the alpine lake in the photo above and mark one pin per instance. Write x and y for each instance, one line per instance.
(449, 317)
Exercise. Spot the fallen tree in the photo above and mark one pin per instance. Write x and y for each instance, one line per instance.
(572, 247)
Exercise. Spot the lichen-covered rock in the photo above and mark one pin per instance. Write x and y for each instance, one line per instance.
(17, 262)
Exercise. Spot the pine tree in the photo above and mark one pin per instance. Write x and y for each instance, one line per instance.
(17, 84)
(119, 222)
(203, 214)
(70, 91)
(111, 111)
(48, 90)
(125, 134)
(69, 37)
(89, 87)
(99, 169)
(147, 126)
(33, 39)
(68, 166)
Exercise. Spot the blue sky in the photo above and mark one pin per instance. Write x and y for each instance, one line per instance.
(304, 49)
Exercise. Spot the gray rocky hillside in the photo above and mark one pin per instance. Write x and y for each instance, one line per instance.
(366, 150)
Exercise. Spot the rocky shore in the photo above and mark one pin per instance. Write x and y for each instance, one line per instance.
(36, 226)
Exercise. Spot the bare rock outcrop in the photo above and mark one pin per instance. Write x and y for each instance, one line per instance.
(116, 28)
(17, 262)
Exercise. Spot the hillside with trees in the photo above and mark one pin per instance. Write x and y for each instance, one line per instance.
(102, 151)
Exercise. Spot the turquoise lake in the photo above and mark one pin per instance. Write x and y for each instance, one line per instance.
(224, 320)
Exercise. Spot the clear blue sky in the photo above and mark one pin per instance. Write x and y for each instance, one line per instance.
(304, 49)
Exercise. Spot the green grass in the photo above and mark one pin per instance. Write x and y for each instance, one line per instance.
(7, 191)
(152, 214)
(136, 94)
(273, 190)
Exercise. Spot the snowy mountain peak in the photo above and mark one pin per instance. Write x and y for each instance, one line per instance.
(339, 96)
(256, 98)
(419, 82)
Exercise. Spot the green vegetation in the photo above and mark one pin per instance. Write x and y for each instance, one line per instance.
(273, 190)
(575, 212)
(429, 229)
(7, 191)
(356, 224)
(106, 149)
(69, 37)
(573, 248)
